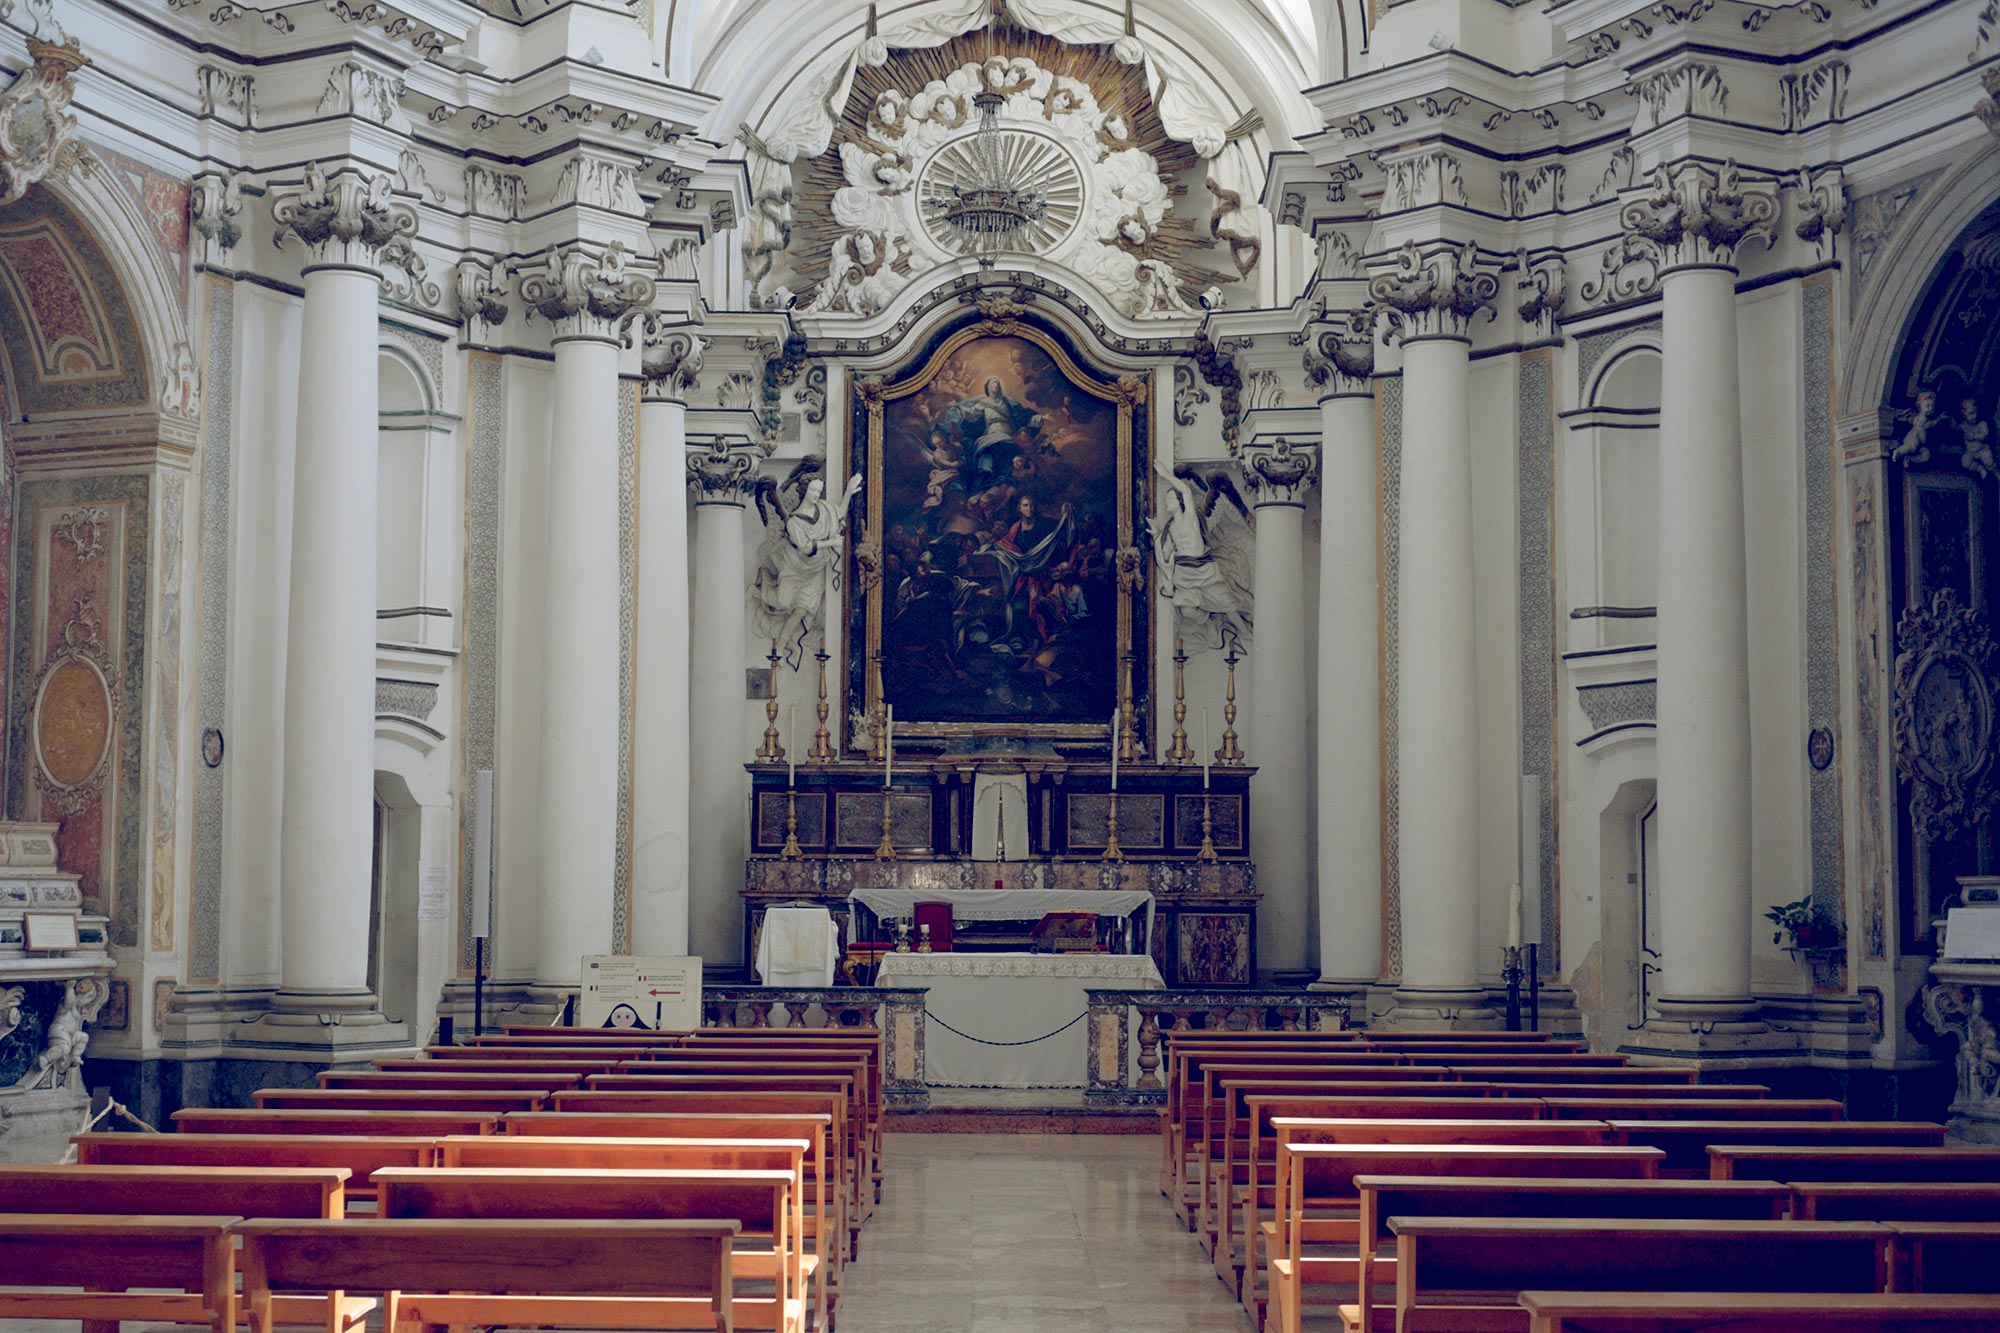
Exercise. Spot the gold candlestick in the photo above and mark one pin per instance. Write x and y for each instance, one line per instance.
(1180, 752)
(772, 750)
(1111, 851)
(1000, 827)
(791, 851)
(1128, 734)
(1230, 752)
(1207, 852)
(822, 746)
(885, 850)
(878, 748)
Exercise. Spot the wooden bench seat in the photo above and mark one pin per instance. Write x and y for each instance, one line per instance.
(1937, 1201)
(370, 1099)
(359, 1155)
(1947, 1257)
(185, 1264)
(400, 1124)
(1677, 1107)
(1686, 1142)
(1818, 1160)
(461, 1272)
(1557, 1072)
(434, 1079)
(760, 1203)
(1467, 1274)
(1755, 1312)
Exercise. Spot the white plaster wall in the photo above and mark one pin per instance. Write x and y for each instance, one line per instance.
(1496, 751)
(267, 341)
(1770, 366)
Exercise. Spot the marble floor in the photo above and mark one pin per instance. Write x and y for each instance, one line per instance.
(1029, 1233)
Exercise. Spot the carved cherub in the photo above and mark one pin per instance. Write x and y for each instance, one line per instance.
(1914, 447)
(801, 556)
(1204, 560)
(1975, 433)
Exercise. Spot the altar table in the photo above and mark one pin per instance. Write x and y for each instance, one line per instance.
(1009, 904)
(1011, 997)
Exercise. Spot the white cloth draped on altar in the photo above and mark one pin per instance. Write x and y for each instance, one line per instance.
(798, 947)
(1036, 1000)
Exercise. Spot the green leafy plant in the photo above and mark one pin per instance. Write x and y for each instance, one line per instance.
(1809, 925)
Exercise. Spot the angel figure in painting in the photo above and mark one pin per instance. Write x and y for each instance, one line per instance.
(1204, 560)
(801, 556)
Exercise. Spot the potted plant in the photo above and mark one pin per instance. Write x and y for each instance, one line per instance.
(1808, 925)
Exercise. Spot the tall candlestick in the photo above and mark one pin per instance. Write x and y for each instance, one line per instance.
(1205, 756)
(792, 754)
(888, 745)
(771, 750)
(1514, 916)
(1114, 748)
(1178, 752)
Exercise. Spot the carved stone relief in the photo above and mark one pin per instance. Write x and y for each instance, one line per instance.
(1943, 720)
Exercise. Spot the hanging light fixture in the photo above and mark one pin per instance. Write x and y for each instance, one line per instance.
(986, 202)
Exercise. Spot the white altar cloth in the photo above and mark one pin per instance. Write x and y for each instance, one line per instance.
(1009, 904)
(1011, 997)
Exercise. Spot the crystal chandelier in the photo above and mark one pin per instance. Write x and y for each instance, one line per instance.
(988, 205)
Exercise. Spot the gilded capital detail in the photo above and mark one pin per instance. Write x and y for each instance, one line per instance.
(345, 220)
(585, 294)
(1278, 473)
(671, 361)
(1698, 217)
(1339, 357)
(1435, 291)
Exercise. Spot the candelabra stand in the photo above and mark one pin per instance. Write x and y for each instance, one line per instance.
(885, 850)
(1231, 752)
(773, 750)
(1000, 827)
(1111, 851)
(822, 746)
(924, 937)
(878, 749)
(1512, 969)
(1128, 733)
(791, 851)
(1207, 852)
(1180, 752)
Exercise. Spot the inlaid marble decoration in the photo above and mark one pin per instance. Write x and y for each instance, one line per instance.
(1391, 475)
(1870, 675)
(82, 549)
(167, 732)
(1225, 822)
(628, 627)
(1536, 609)
(480, 662)
(1822, 652)
(1141, 821)
(70, 338)
(210, 784)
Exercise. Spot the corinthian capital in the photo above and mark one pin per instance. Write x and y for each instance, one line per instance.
(344, 220)
(671, 362)
(723, 470)
(1435, 291)
(1278, 472)
(586, 295)
(1698, 216)
(1340, 353)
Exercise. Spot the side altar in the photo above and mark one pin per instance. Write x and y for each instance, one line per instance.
(1204, 910)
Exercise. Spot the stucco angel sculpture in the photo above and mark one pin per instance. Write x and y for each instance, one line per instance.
(1204, 558)
(801, 556)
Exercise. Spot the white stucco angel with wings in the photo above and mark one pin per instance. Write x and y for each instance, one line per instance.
(801, 556)
(1204, 554)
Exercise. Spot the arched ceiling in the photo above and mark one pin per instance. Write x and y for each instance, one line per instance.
(66, 329)
(1952, 343)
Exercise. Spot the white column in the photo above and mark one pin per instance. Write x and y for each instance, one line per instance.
(583, 294)
(1349, 743)
(1278, 476)
(1436, 292)
(1703, 752)
(721, 475)
(327, 820)
(660, 753)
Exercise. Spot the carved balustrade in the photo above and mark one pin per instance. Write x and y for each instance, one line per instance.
(1109, 1043)
(896, 1012)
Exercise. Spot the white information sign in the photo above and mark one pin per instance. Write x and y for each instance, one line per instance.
(644, 994)
(430, 893)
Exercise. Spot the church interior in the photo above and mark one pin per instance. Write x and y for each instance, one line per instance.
(1129, 666)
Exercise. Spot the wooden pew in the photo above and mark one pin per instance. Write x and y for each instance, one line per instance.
(1384, 1197)
(669, 1274)
(1686, 1142)
(1316, 1177)
(400, 1124)
(745, 1152)
(360, 1156)
(1755, 1312)
(449, 1079)
(1467, 1274)
(365, 1099)
(760, 1202)
(1807, 1161)
(1959, 1257)
(184, 1262)
(1907, 1201)
(1557, 1072)
(1673, 1106)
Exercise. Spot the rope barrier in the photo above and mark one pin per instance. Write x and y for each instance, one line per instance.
(930, 1017)
(90, 1122)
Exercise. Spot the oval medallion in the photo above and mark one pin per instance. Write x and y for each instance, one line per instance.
(72, 723)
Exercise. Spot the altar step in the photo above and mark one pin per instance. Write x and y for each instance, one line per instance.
(1019, 1111)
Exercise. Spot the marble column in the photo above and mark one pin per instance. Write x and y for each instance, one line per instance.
(660, 747)
(1278, 476)
(1698, 216)
(343, 220)
(1348, 792)
(1432, 296)
(585, 292)
(721, 473)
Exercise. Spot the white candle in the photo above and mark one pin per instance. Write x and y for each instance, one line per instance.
(1204, 748)
(889, 747)
(792, 751)
(1514, 916)
(1114, 749)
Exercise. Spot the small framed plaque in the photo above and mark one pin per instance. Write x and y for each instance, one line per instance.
(50, 930)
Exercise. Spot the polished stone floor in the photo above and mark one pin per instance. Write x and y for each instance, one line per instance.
(1029, 1233)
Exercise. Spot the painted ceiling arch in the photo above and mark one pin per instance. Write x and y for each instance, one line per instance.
(67, 328)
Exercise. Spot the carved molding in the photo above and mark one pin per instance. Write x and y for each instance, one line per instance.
(1628, 270)
(671, 361)
(1698, 216)
(353, 89)
(1340, 359)
(1279, 473)
(481, 297)
(586, 294)
(215, 202)
(1959, 1009)
(723, 471)
(1543, 286)
(37, 131)
(346, 219)
(1943, 719)
(1435, 291)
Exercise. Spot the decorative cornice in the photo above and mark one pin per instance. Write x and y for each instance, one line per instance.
(1435, 291)
(345, 220)
(671, 362)
(586, 295)
(1697, 217)
(1339, 358)
(1278, 473)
